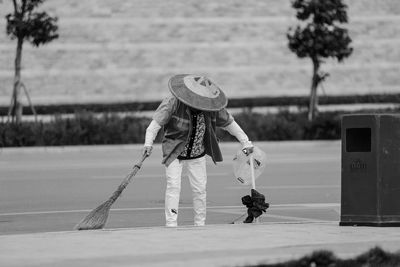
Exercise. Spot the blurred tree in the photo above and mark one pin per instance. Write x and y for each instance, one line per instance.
(319, 37)
(26, 24)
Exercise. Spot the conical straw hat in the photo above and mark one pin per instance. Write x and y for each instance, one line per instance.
(197, 92)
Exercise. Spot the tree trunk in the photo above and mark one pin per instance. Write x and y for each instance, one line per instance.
(313, 94)
(16, 109)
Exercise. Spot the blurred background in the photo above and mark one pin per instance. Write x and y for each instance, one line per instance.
(114, 58)
(110, 51)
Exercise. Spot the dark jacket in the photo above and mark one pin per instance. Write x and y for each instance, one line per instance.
(175, 116)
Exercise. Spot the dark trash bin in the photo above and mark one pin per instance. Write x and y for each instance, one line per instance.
(370, 192)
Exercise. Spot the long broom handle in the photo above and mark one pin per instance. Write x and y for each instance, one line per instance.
(253, 179)
(127, 179)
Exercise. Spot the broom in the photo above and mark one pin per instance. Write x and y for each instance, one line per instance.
(253, 185)
(97, 218)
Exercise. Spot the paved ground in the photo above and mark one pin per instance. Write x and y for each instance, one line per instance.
(45, 191)
(213, 245)
(51, 189)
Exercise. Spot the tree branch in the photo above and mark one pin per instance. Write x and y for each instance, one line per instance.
(15, 7)
(23, 8)
(29, 101)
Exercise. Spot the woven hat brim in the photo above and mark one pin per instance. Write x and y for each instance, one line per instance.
(179, 90)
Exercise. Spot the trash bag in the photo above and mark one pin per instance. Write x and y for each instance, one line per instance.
(241, 165)
(255, 205)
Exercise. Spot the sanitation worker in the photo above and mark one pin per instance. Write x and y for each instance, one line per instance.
(190, 115)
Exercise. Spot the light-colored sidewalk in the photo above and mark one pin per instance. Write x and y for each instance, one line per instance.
(212, 245)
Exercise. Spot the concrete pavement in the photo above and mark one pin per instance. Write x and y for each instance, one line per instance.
(313, 165)
(212, 245)
(44, 189)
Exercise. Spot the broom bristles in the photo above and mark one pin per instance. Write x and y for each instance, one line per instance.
(96, 219)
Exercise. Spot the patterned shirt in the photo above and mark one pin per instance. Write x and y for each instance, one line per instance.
(195, 147)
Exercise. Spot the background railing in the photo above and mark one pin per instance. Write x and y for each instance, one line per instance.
(250, 102)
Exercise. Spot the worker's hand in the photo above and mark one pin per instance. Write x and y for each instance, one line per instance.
(248, 150)
(147, 150)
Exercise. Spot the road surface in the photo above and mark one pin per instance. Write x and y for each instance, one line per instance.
(51, 189)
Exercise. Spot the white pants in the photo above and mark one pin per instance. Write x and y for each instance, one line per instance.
(197, 174)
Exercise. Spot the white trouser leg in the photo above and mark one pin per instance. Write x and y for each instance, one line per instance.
(198, 181)
(172, 192)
